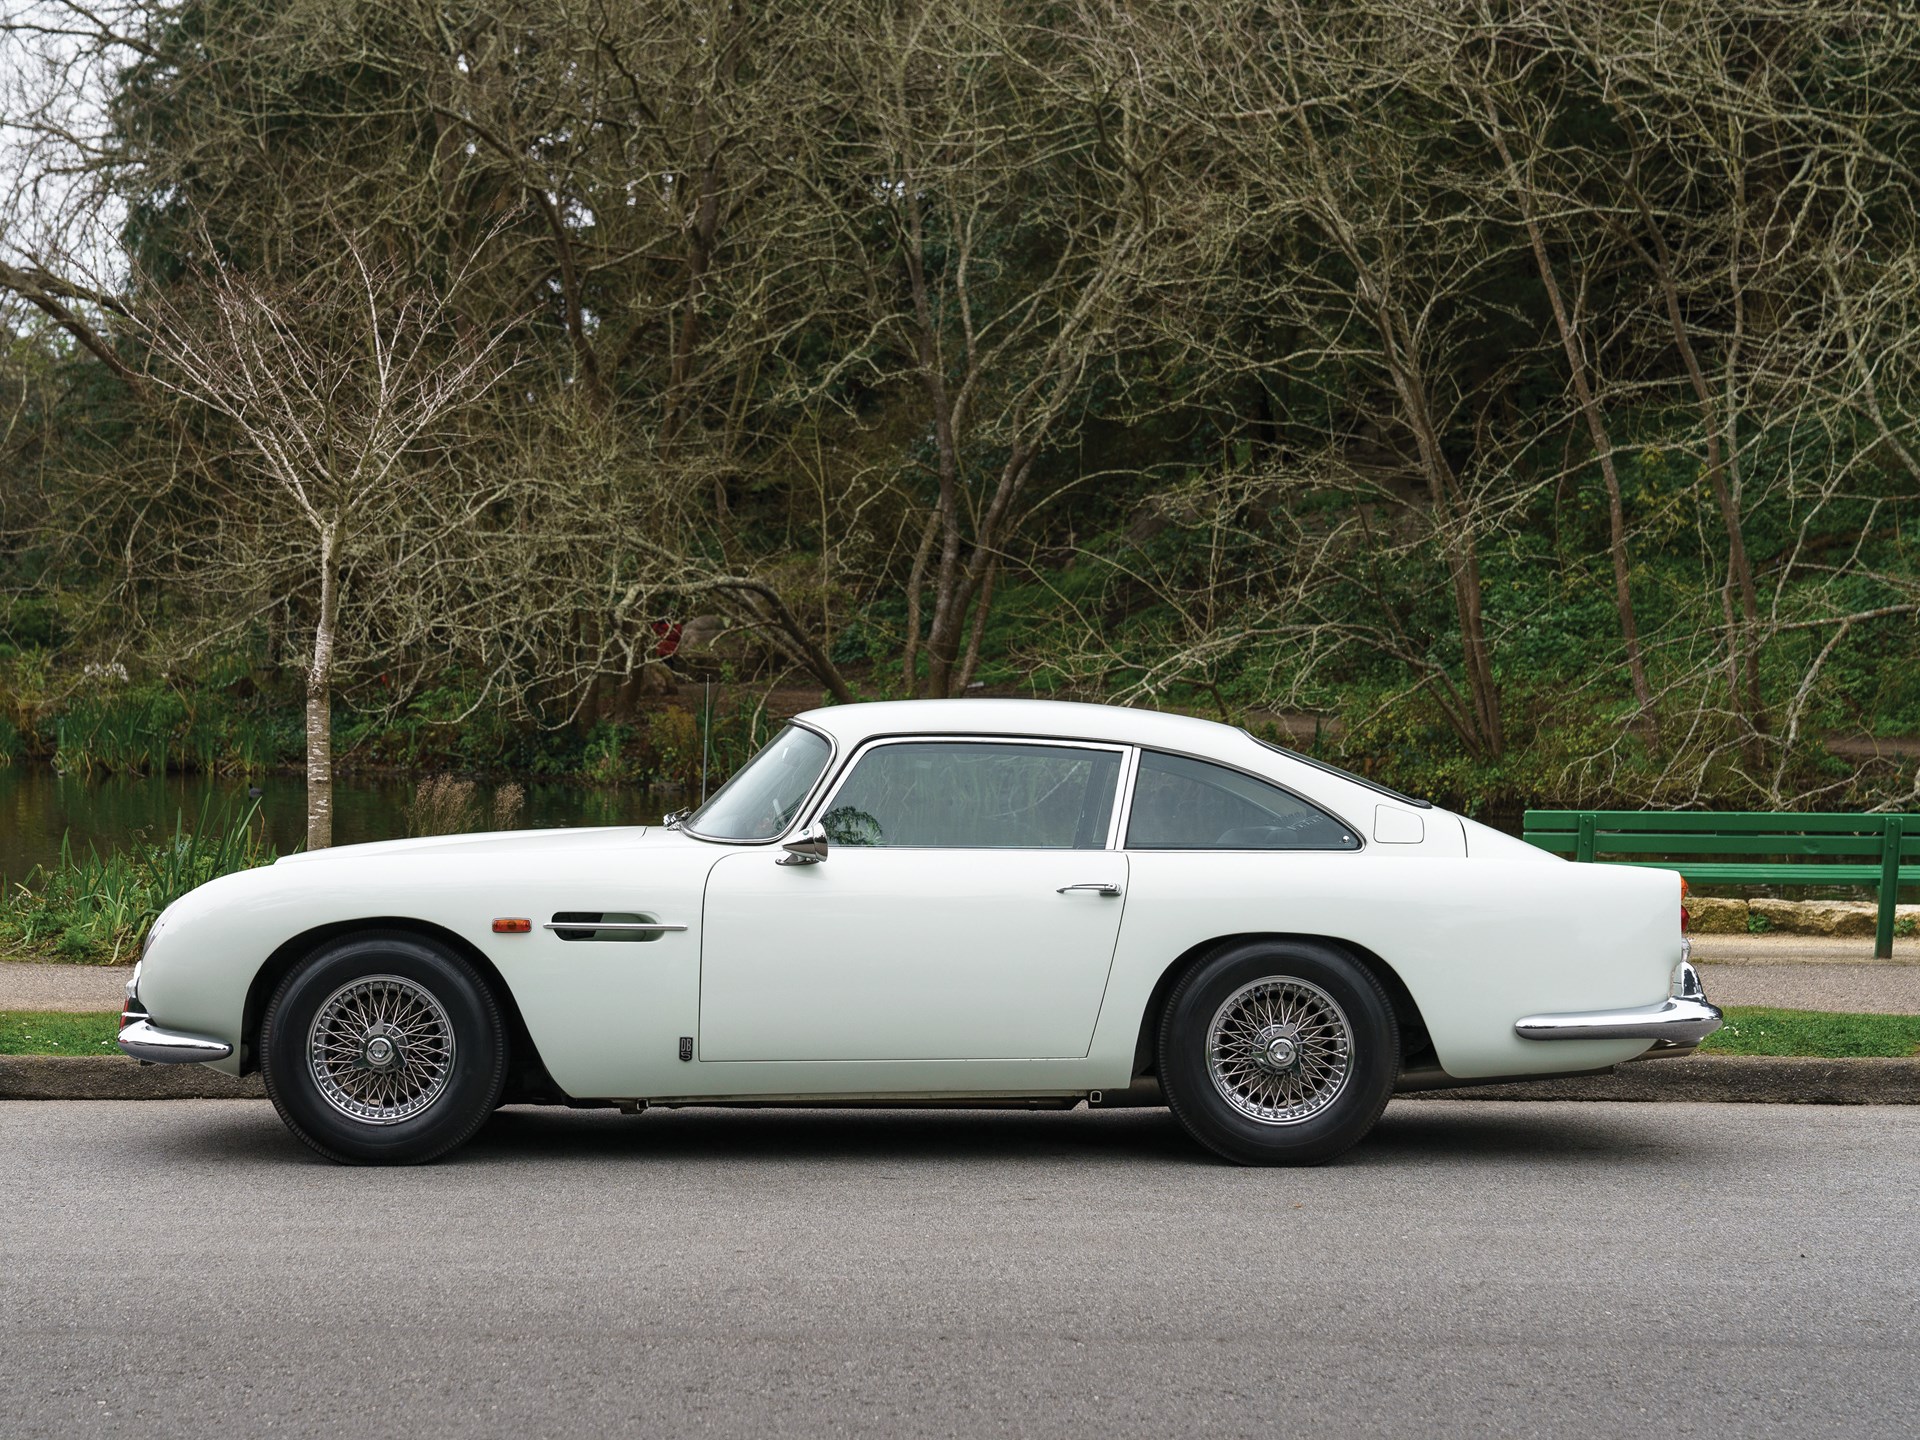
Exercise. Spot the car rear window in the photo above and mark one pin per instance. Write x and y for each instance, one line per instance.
(1185, 804)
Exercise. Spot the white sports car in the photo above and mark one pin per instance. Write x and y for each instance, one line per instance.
(977, 901)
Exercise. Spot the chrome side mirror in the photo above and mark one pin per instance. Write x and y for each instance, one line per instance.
(809, 847)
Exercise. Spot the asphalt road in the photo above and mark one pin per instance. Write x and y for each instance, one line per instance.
(184, 1268)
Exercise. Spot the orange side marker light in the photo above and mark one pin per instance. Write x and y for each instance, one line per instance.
(512, 925)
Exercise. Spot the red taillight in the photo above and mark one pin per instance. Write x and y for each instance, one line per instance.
(512, 925)
(1685, 890)
(1685, 919)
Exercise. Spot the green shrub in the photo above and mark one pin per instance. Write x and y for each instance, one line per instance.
(96, 911)
(607, 760)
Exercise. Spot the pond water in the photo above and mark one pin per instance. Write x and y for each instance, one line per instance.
(38, 806)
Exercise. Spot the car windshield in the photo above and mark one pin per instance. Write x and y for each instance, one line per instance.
(761, 800)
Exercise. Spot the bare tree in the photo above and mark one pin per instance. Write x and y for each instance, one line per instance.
(955, 127)
(334, 397)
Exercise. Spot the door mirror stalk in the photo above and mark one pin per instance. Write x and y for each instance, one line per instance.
(809, 847)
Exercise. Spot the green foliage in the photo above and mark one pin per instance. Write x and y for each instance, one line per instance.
(93, 910)
(131, 734)
(671, 746)
(1759, 1031)
(29, 622)
(608, 757)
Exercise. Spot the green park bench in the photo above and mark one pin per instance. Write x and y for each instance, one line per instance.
(1824, 847)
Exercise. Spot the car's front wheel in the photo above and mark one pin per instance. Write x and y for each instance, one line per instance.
(383, 1048)
(1278, 1052)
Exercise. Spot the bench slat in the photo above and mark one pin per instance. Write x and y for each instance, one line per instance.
(1696, 822)
(1607, 842)
(1709, 871)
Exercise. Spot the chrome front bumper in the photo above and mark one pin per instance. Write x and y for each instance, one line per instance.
(1679, 1022)
(144, 1040)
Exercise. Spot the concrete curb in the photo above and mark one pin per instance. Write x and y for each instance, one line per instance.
(1747, 1079)
(115, 1077)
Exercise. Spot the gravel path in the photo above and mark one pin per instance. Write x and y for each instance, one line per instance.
(1884, 989)
(1799, 950)
(62, 987)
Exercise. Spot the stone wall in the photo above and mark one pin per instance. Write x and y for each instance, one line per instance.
(1792, 917)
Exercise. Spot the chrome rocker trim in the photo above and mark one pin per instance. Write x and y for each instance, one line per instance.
(1676, 1020)
(144, 1040)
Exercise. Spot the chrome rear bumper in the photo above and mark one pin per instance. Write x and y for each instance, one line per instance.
(144, 1040)
(1681, 1021)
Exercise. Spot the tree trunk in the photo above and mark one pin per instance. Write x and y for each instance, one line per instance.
(1455, 527)
(1453, 521)
(1596, 428)
(1743, 670)
(971, 662)
(949, 606)
(916, 582)
(320, 704)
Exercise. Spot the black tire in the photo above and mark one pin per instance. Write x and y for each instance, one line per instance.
(393, 968)
(1329, 1116)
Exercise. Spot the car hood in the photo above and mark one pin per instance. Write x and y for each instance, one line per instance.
(527, 842)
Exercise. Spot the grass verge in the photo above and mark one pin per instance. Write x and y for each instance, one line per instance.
(1755, 1030)
(58, 1032)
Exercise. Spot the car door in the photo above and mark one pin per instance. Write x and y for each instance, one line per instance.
(967, 909)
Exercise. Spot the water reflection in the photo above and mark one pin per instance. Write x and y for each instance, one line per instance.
(37, 806)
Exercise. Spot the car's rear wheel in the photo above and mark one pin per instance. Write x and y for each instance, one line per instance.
(383, 1048)
(1278, 1052)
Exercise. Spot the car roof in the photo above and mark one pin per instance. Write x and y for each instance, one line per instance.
(853, 725)
(1062, 719)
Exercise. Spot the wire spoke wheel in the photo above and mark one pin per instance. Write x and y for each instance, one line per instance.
(1280, 1050)
(380, 1049)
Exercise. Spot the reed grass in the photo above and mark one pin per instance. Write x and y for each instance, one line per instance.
(94, 910)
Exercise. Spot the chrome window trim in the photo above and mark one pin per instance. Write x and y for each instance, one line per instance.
(826, 773)
(875, 742)
(1359, 835)
(1123, 810)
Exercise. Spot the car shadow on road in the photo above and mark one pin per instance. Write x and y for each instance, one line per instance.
(1410, 1134)
(840, 1135)
(1498, 1135)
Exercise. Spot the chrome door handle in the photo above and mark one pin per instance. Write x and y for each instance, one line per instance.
(1099, 887)
(625, 927)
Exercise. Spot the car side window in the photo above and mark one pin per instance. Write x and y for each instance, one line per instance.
(976, 795)
(1182, 804)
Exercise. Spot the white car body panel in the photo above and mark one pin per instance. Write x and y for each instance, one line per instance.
(948, 972)
(907, 954)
